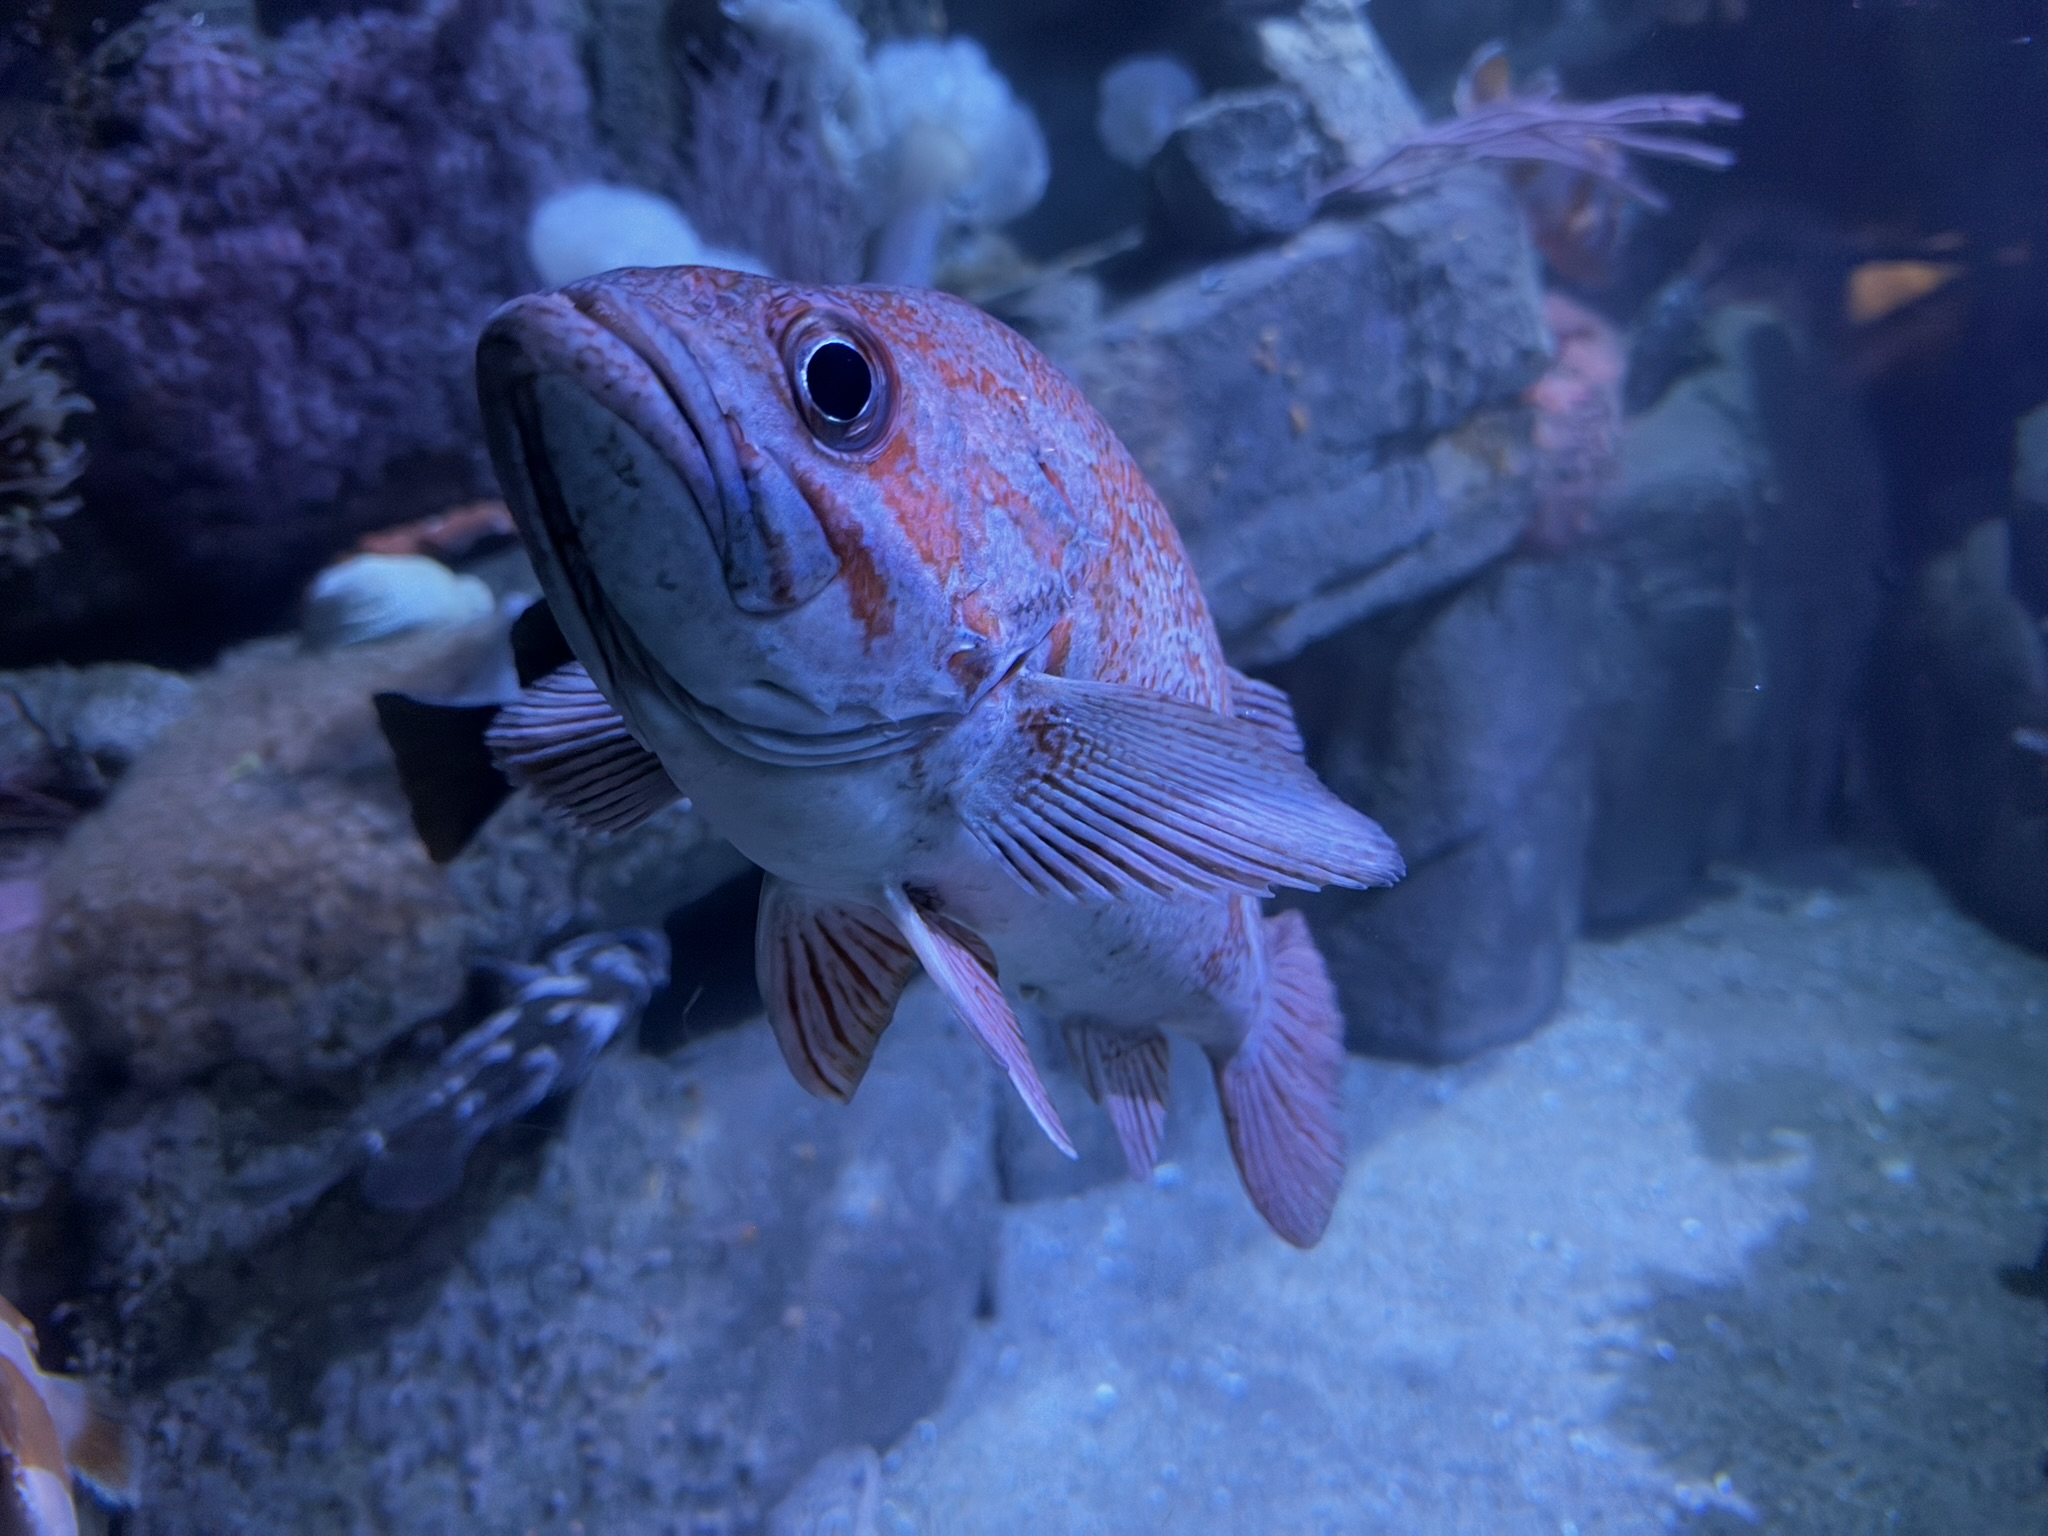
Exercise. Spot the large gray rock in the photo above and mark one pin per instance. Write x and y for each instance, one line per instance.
(1241, 166)
(1740, 557)
(656, 1322)
(1962, 723)
(254, 890)
(1332, 422)
(1328, 51)
(1463, 726)
(74, 730)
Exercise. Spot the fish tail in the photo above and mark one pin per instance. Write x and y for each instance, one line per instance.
(1282, 1090)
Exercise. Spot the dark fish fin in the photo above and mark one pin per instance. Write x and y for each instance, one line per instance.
(1127, 1076)
(830, 974)
(1282, 1090)
(1103, 791)
(1267, 706)
(969, 984)
(450, 782)
(562, 740)
(538, 646)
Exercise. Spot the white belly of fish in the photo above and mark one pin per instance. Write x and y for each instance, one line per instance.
(1131, 967)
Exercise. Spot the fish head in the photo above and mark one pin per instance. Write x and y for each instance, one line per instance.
(804, 516)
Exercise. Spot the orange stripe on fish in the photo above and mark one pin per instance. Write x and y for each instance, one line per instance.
(890, 602)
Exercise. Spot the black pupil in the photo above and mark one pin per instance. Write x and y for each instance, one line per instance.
(839, 381)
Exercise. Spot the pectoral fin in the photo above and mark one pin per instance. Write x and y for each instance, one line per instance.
(1127, 1077)
(1103, 791)
(1266, 706)
(831, 973)
(970, 985)
(564, 742)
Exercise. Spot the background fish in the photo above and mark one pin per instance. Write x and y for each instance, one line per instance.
(53, 1428)
(861, 573)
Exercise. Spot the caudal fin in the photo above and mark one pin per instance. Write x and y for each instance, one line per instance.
(1283, 1089)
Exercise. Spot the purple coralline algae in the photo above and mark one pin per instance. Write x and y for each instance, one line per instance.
(270, 259)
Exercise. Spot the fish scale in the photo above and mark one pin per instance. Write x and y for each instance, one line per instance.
(905, 622)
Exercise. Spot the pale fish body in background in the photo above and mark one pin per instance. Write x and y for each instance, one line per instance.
(52, 1428)
(890, 603)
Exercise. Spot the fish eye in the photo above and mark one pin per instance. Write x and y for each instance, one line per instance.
(841, 380)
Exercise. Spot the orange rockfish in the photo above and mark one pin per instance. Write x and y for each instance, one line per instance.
(862, 574)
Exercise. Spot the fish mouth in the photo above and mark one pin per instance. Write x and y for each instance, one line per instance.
(770, 545)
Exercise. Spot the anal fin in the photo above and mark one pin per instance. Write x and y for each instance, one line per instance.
(1282, 1090)
(831, 973)
(970, 985)
(561, 739)
(1126, 1075)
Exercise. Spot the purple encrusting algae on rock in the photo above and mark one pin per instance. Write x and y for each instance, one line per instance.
(269, 259)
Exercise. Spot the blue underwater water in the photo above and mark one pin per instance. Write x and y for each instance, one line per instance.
(660, 911)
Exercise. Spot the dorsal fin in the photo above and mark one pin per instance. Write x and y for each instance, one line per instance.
(562, 740)
(831, 973)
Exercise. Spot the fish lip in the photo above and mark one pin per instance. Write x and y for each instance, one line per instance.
(585, 334)
(674, 367)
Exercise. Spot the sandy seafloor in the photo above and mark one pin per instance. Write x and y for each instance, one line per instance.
(1717, 1250)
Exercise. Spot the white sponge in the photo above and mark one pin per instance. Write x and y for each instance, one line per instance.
(1140, 103)
(957, 130)
(596, 226)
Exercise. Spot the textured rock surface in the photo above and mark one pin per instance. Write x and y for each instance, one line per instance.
(1332, 422)
(105, 714)
(1327, 50)
(1740, 559)
(254, 890)
(270, 258)
(530, 876)
(659, 1322)
(1241, 166)
(1464, 727)
(1962, 669)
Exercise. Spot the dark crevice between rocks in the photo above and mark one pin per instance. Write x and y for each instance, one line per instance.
(711, 968)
